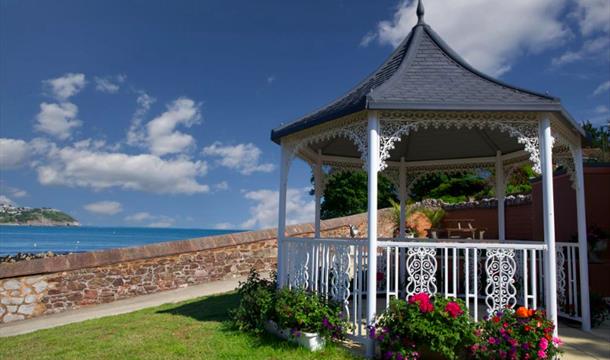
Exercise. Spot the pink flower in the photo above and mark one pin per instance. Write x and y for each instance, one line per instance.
(541, 354)
(453, 309)
(543, 344)
(557, 341)
(492, 340)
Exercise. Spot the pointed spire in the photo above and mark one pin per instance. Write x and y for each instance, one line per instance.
(420, 12)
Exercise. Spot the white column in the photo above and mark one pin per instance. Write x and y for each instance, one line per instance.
(582, 238)
(550, 278)
(281, 224)
(402, 193)
(373, 166)
(500, 192)
(318, 178)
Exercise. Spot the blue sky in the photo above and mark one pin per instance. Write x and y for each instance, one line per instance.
(150, 113)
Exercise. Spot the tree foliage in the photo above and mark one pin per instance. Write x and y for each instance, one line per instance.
(346, 193)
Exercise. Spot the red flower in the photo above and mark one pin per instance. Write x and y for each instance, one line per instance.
(423, 300)
(453, 309)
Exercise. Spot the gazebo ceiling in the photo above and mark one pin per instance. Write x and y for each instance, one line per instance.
(423, 73)
(423, 145)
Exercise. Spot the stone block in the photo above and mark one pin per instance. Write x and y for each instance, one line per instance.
(11, 308)
(2, 311)
(27, 309)
(12, 317)
(12, 300)
(12, 284)
(41, 286)
(34, 280)
(30, 299)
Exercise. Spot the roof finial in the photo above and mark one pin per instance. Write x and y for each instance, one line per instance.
(420, 12)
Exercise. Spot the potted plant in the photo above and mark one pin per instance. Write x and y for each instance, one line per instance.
(423, 327)
(521, 334)
(306, 318)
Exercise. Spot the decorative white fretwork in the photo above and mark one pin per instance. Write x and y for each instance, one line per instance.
(500, 290)
(421, 271)
(340, 280)
(520, 125)
(561, 277)
(298, 276)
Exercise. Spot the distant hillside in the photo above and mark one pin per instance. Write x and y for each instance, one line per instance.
(10, 215)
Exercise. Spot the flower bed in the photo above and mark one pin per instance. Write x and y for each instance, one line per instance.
(520, 334)
(437, 328)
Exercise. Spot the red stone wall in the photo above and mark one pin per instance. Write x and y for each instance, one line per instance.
(51, 285)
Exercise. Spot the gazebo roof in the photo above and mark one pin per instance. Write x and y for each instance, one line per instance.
(424, 73)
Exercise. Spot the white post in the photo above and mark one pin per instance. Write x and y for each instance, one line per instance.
(500, 192)
(550, 278)
(373, 167)
(317, 178)
(281, 224)
(582, 239)
(402, 194)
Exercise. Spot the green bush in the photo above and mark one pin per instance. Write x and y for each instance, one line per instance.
(302, 311)
(257, 300)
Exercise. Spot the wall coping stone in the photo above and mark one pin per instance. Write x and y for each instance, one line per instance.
(112, 256)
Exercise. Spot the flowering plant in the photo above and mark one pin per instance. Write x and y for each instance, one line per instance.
(302, 311)
(521, 334)
(421, 324)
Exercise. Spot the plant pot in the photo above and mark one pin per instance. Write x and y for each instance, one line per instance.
(310, 341)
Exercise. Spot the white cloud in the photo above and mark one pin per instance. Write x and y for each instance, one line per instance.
(136, 135)
(368, 38)
(300, 208)
(489, 34)
(224, 226)
(244, 158)
(593, 16)
(99, 169)
(104, 207)
(162, 136)
(159, 221)
(13, 191)
(139, 217)
(601, 109)
(13, 153)
(58, 120)
(223, 185)
(109, 84)
(602, 88)
(66, 86)
(5, 200)
(593, 48)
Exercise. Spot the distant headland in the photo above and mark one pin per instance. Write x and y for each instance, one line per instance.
(25, 216)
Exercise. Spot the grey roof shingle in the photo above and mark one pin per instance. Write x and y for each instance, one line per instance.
(424, 73)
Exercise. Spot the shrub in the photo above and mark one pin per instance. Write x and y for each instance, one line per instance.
(406, 329)
(600, 310)
(257, 300)
(301, 311)
(521, 334)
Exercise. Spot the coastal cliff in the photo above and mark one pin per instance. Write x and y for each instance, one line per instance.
(22, 216)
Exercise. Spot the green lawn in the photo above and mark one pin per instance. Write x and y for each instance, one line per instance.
(193, 329)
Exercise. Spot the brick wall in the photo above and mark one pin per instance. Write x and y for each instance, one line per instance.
(45, 286)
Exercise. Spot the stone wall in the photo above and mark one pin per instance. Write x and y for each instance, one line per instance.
(46, 286)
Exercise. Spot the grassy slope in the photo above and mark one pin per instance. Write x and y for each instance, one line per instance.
(193, 329)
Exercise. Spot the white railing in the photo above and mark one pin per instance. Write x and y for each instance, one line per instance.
(568, 284)
(487, 275)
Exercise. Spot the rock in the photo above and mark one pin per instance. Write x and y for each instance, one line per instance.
(2, 311)
(15, 300)
(27, 309)
(12, 317)
(11, 308)
(30, 299)
(34, 280)
(12, 285)
(40, 286)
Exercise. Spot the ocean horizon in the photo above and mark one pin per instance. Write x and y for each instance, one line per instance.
(60, 239)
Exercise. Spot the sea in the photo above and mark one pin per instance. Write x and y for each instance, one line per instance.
(36, 239)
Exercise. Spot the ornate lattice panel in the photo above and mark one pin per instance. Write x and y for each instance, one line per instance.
(500, 291)
(421, 266)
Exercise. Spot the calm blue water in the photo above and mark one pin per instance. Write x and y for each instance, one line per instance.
(14, 239)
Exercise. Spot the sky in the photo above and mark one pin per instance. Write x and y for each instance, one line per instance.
(158, 113)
